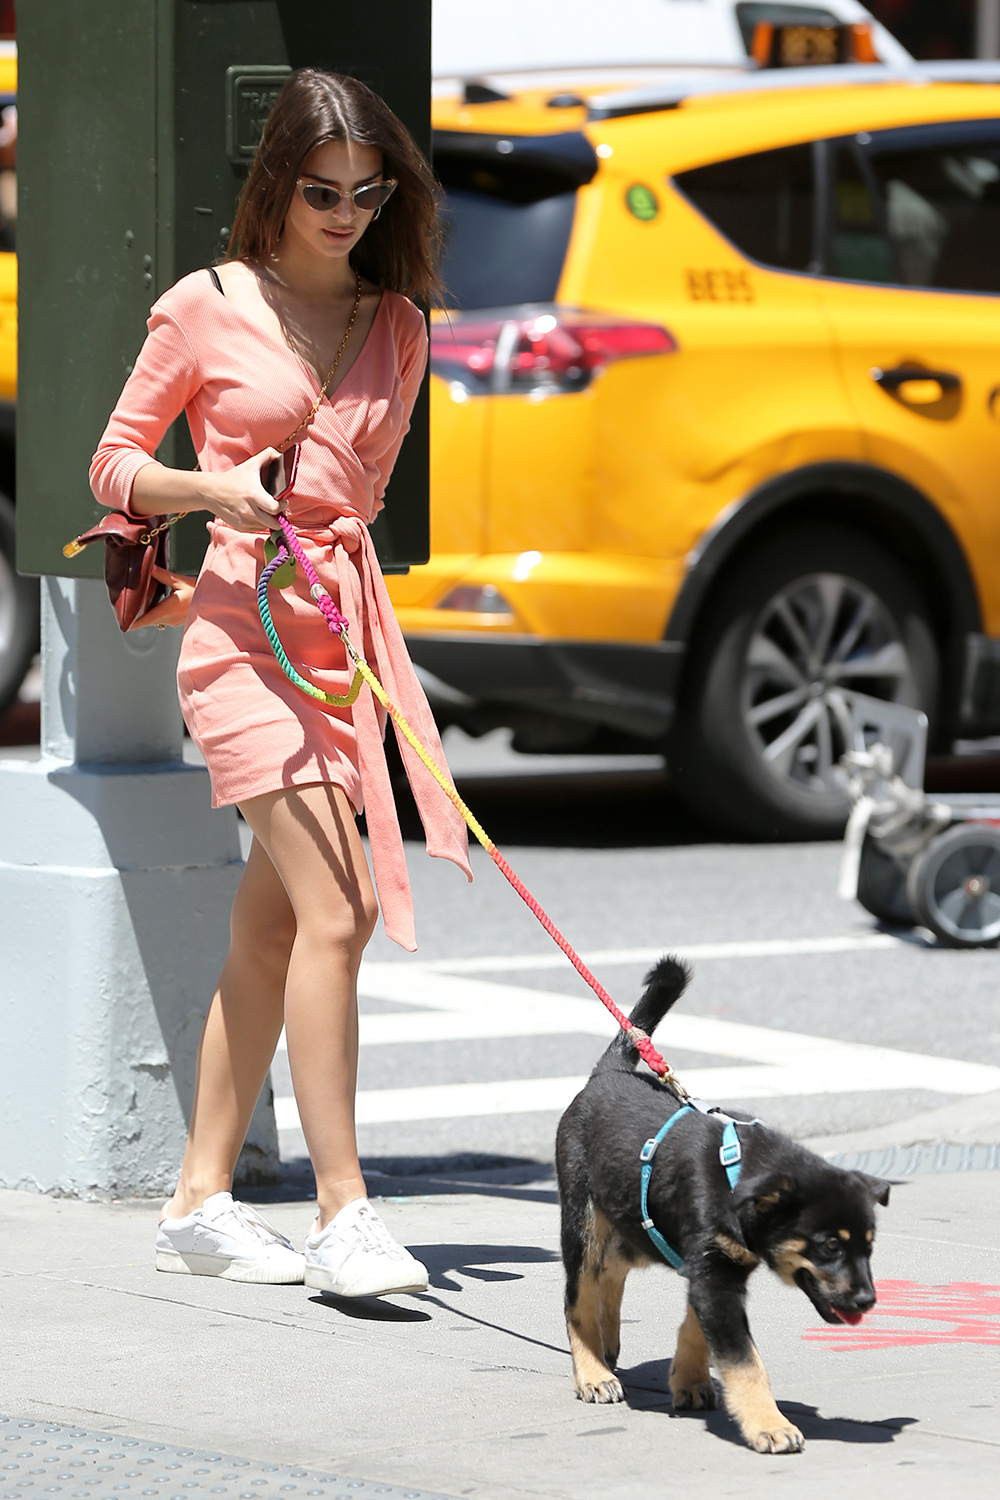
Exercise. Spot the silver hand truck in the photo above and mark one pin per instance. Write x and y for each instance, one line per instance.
(909, 859)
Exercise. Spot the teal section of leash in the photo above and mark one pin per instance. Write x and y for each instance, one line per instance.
(281, 557)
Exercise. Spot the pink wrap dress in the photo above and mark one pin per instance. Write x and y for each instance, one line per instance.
(243, 391)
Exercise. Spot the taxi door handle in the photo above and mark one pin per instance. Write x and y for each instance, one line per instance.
(924, 386)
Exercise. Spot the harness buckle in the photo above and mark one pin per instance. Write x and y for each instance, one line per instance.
(730, 1153)
(649, 1150)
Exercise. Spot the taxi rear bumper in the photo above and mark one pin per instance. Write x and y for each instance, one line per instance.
(616, 685)
(620, 686)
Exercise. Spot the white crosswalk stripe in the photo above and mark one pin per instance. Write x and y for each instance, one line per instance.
(448, 1003)
(552, 958)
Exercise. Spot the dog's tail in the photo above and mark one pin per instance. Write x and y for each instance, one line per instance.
(665, 984)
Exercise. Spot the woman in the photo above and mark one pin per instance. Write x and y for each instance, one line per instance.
(304, 330)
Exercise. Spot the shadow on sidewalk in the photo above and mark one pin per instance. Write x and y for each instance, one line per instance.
(489, 1263)
(370, 1309)
(514, 1177)
(647, 1389)
(478, 1261)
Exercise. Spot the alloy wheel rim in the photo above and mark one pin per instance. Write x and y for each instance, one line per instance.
(815, 641)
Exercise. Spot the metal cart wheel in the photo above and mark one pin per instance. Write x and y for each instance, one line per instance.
(882, 886)
(954, 886)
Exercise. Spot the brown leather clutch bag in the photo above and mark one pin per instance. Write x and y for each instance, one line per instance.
(132, 548)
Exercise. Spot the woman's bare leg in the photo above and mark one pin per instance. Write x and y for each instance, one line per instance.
(240, 1035)
(312, 840)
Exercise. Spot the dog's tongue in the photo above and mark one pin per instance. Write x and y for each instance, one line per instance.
(846, 1317)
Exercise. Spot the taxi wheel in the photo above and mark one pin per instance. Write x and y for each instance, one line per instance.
(19, 613)
(764, 714)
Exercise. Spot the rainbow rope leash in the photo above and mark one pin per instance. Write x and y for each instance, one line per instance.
(287, 548)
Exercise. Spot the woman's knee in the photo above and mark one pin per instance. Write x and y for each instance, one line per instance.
(356, 923)
(312, 840)
(345, 931)
(368, 917)
(265, 933)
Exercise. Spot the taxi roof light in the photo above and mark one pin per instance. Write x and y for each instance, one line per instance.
(775, 44)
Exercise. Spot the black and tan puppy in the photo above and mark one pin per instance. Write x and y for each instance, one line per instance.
(810, 1222)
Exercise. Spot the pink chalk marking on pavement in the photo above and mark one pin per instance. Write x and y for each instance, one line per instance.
(964, 1312)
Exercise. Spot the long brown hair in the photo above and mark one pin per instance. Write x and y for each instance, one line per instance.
(399, 249)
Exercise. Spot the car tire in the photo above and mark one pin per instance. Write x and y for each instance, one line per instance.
(19, 613)
(758, 670)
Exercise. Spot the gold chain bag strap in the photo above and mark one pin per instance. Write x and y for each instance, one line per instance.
(134, 546)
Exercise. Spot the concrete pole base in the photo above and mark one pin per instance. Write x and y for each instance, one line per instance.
(116, 884)
(116, 887)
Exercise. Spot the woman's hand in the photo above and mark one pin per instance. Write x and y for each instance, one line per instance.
(173, 610)
(238, 497)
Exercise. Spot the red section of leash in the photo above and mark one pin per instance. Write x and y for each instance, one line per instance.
(639, 1039)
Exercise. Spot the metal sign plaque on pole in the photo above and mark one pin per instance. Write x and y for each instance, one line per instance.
(149, 131)
(115, 878)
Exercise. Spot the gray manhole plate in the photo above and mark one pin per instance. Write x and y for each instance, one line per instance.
(47, 1459)
(911, 1161)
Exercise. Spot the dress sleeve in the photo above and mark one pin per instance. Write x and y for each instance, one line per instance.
(163, 381)
(412, 364)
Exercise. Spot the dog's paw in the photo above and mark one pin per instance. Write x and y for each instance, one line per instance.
(603, 1393)
(780, 1437)
(694, 1395)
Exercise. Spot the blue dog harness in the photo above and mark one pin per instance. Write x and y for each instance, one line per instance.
(730, 1155)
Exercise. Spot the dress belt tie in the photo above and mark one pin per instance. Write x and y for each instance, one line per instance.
(365, 601)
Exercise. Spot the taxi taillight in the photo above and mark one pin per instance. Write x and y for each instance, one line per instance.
(545, 352)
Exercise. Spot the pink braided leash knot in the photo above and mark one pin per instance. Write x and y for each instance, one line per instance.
(336, 621)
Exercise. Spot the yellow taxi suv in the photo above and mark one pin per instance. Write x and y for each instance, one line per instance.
(716, 418)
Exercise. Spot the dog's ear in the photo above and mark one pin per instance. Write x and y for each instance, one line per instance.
(766, 1193)
(877, 1186)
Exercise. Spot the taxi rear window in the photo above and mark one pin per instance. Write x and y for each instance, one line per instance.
(507, 219)
(762, 202)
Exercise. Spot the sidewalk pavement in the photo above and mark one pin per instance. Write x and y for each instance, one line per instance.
(116, 1379)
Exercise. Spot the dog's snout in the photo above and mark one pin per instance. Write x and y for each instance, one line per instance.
(863, 1294)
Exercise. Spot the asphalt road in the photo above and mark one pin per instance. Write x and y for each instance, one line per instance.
(800, 1010)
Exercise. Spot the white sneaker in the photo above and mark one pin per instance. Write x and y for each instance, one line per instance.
(356, 1256)
(227, 1239)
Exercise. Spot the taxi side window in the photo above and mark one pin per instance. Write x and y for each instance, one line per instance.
(942, 210)
(926, 214)
(763, 203)
(859, 244)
